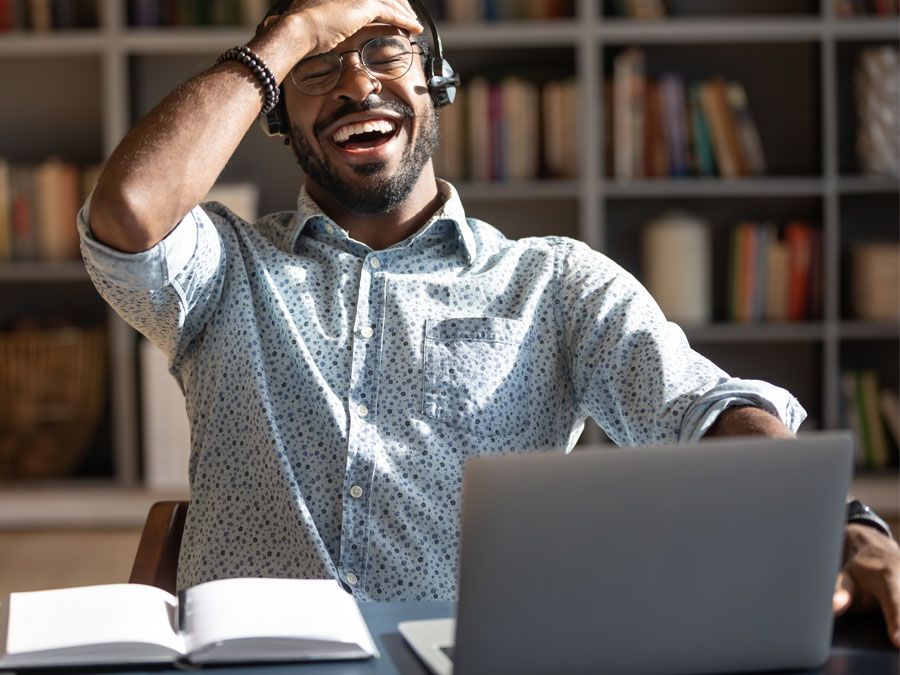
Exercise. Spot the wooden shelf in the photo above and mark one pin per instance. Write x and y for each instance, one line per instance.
(869, 330)
(39, 272)
(66, 505)
(674, 30)
(739, 333)
(51, 44)
(663, 188)
(516, 190)
(863, 185)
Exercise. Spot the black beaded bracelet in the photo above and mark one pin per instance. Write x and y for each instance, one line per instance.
(259, 69)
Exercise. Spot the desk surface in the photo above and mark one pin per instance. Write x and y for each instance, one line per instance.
(860, 647)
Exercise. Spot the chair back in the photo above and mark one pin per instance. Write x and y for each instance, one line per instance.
(156, 562)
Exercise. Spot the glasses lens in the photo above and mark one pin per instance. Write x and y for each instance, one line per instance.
(317, 74)
(389, 56)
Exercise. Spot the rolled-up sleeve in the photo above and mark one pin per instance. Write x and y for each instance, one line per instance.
(634, 372)
(732, 391)
(165, 292)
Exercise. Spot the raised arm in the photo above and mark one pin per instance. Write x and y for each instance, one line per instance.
(168, 162)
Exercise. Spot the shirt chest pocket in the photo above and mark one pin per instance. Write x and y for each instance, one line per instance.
(477, 374)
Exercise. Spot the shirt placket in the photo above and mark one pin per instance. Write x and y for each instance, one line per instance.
(363, 432)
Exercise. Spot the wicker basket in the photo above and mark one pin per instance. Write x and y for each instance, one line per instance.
(52, 393)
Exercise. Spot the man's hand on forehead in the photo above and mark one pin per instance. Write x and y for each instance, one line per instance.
(329, 22)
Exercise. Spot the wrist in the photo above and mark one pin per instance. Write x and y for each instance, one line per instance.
(861, 514)
(283, 41)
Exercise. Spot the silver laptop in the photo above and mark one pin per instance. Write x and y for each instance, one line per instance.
(717, 557)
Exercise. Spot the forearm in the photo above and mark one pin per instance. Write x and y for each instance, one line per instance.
(748, 421)
(170, 159)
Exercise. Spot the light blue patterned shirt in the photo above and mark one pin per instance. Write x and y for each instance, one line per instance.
(335, 392)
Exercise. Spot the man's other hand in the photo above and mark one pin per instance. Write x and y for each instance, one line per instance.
(870, 577)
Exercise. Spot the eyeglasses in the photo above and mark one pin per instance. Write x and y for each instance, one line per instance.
(386, 57)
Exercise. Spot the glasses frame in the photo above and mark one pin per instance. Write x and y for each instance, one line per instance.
(340, 57)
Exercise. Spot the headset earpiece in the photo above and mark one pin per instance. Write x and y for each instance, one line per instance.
(442, 84)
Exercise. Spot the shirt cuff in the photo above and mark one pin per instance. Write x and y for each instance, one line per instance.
(150, 269)
(703, 412)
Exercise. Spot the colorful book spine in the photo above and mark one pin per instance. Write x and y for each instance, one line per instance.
(672, 100)
(38, 208)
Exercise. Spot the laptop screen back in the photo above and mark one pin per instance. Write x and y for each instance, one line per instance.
(711, 558)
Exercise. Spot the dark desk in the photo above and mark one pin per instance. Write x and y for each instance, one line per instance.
(860, 647)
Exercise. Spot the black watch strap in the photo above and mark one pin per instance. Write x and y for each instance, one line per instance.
(861, 514)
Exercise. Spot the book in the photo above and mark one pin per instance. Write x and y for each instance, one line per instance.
(450, 159)
(776, 280)
(889, 404)
(628, 113)
(867, 390)
(852, 417)
(749, 143)
(479, 132)
(675, 126)
(703, 150)
(520, 107)
(656, 159)
(6, 234)
(222, 621)
(875, 280)
(496, 134)
(57, 200)
(799, 243)
(721, 126)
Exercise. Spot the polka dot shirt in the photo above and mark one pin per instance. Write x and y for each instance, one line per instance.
(335, 392)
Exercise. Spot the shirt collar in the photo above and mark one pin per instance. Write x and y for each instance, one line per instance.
(451, 210)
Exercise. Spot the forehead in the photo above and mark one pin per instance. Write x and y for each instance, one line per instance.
(366, 33)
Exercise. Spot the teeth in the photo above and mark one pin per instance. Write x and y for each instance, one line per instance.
(348, 130)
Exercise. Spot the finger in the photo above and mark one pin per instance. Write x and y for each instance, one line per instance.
(844, 590)
(889, 599)
(404, 17)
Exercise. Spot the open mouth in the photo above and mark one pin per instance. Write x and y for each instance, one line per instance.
(367, 135)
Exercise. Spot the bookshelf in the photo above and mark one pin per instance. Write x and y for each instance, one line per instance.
(794, 57)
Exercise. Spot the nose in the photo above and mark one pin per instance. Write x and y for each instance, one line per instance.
(356, 82)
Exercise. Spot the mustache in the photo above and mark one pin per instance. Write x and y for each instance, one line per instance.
(371, 102)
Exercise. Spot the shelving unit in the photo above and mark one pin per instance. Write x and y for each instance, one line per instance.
(796, 51)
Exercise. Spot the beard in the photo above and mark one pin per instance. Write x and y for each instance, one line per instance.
(381, 192)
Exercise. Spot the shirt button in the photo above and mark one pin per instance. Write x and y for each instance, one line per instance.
(375, 263)
(329, 228)
(362, 410)
(356, 492)
(352, 579)
(367, 332)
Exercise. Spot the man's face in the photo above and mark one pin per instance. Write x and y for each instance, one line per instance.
(365, 142)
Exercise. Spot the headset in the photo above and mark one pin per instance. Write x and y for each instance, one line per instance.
(441, 78)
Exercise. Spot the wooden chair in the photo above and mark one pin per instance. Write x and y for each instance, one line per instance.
(156, 562)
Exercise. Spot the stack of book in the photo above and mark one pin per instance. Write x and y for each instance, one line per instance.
(775, 276)
(514, 129)
(872, 412)
(42, 15)
(149, 13)
(38, 207)
(671, 127)
(866, 7)
(469, 11)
